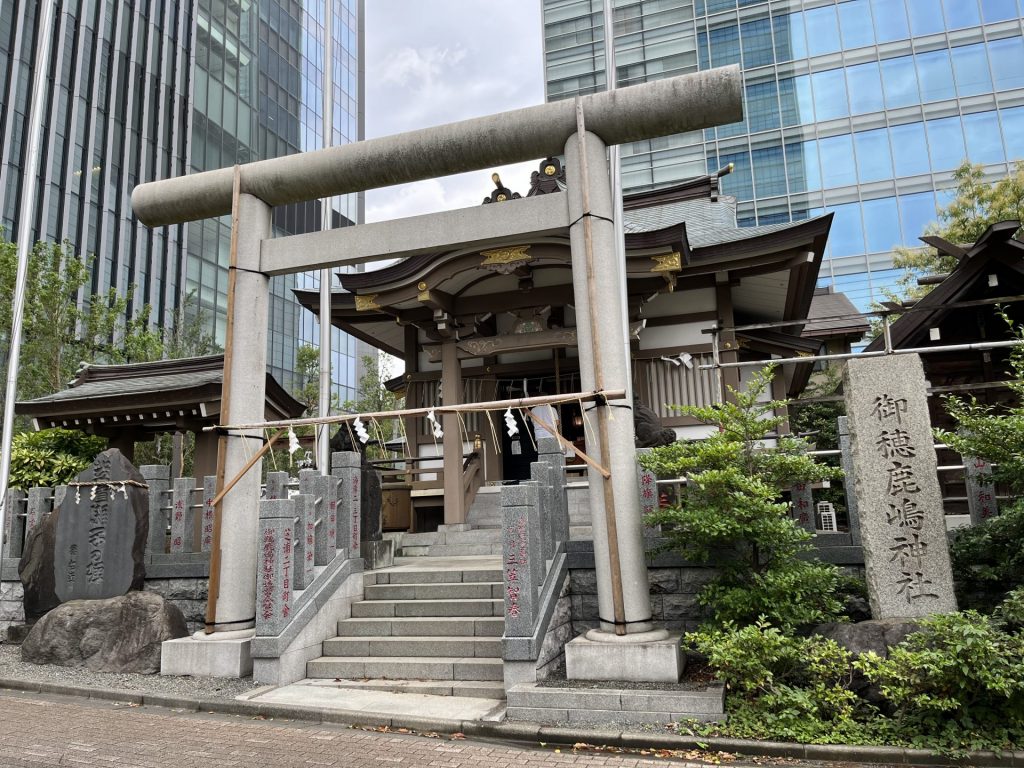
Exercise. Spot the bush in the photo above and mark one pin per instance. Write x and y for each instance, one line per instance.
(988, 559)
(729, 514)
(956, 684)
(785, 687)
(51, 457)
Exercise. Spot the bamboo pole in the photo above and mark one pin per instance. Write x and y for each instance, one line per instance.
(491, 405)
(565, 443)
(248, 465)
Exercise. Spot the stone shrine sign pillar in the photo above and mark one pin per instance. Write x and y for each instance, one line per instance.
(903, 526)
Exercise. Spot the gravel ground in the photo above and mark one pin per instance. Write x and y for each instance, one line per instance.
(12, 667)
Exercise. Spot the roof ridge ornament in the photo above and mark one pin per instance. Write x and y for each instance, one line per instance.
(550, 177)
(501, 193)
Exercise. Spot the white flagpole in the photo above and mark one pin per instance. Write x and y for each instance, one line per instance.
(26, 215)
(324, 435)
(615, 167)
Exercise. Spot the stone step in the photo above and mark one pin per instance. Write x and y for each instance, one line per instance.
(456, 550)
(436, 591)
(421, 626)
(474, 689)
(428, 575)
(439, 645)
(435, 608)
(534, 703)
(419, 539)
(423, 551)
(405, 668)
(475, 536)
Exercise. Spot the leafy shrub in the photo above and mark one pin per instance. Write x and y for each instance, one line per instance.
(988, 559)
(784, 687)
(1010, 613)
(729, 514)
(51, 456)
(956, 684)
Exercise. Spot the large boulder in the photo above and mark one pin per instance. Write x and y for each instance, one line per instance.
(119, 634)
(36, 569)
(876, 635)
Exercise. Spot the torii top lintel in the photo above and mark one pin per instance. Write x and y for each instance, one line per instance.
(661, 108)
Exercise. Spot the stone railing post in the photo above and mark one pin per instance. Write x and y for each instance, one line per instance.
(308, 513)
(326, 546)
(209, 494)
(182, 517)
(40, 504)
(277, 485)
(158, 478)
(15, 523)
(275, 566)
(540, 473)
(521, 560)
(305, 511)
(846, 463)
(981, 491)
(345, 466)
(550, 450)
(802, 498)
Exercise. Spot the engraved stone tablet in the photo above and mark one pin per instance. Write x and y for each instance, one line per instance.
(802, 498)
(981, 491)
(903, 526)
(101, 531)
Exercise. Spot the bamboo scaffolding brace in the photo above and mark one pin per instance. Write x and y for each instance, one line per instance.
(492, 405)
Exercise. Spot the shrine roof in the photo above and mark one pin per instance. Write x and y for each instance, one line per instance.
(833, 314)
(996, 253)
(151, 387)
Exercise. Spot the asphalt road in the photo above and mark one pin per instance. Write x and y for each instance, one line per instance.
(46, 730)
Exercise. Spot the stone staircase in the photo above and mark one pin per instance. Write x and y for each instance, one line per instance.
(426, 625)
(481, 533)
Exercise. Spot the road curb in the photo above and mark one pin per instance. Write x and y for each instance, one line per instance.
(527, 733)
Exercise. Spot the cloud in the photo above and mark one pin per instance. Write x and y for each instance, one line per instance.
(436, 62)
(448, 193)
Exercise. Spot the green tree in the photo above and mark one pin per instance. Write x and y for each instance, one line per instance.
(62, 328)
(977, 205)
(51, 457)
(988, 559)
(729, 513)
(372, 396)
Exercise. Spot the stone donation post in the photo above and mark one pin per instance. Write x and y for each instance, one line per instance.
(903, 526)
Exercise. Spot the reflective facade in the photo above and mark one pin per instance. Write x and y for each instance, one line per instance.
(150, 89)
(861, 107)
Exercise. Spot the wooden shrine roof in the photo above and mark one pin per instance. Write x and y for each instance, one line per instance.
(152, 396)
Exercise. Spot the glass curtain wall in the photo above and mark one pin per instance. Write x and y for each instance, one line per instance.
(860, 107)
(116, 113)
(259, 94)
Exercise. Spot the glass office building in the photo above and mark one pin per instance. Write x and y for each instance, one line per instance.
(859, 107)
(150, 89)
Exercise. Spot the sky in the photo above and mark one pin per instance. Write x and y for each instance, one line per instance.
(430, 62)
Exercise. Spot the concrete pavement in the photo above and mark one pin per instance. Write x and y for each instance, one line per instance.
(46, 730)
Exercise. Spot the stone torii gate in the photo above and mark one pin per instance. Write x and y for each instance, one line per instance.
(582, 129)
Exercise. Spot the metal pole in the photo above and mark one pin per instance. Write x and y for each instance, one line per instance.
(323, 448)
(975, 346)
(615, 168)
(26, 215)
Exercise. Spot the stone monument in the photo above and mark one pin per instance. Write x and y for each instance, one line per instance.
(903, 526)
(101, 531)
